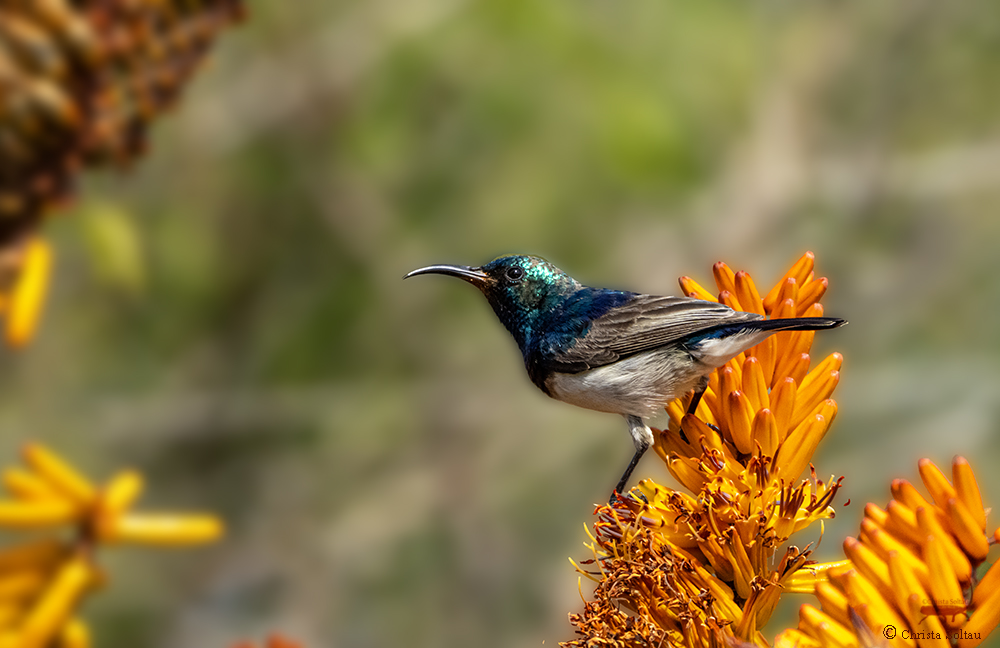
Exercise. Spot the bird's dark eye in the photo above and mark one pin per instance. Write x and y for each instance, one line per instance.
(515, 273)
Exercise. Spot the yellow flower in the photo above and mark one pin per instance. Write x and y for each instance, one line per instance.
(909, 577)
(43, 580)
(709, 565)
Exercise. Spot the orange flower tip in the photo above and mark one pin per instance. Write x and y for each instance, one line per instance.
(996, 536)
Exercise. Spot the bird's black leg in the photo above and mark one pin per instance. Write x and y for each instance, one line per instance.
(642, 437)
(699, 391)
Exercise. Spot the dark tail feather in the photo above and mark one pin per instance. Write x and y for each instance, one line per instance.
(797, 324)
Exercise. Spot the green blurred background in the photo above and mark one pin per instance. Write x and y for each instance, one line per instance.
(229, 316)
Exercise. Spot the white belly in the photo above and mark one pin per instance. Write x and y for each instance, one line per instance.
(640, 385)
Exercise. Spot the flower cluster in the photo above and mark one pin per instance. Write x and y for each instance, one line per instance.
(706, 567)
(80, 83)
(910, 578)
(43, 580)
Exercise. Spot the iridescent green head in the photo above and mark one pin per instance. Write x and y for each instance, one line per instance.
(519, 288)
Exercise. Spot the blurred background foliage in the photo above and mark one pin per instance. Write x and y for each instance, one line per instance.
(229, 317)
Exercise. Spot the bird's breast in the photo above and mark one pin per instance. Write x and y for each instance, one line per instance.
(640, 385)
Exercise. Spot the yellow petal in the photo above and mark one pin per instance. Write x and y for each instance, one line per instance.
(929, 630)
(904, 492)
(937, 484)
(739, 421)
(884, 544)
(60, 475)
(825, 628)
(968, 490)
(989, 584)
(930, 526)
(797, 450)
(793, 638)
(867, 601)
(21, 585)
(165, 529)
(121, 493)
(945, 588)
(33, 555)
(869, 564)
(966, 529)
(725, 280)
(693, 289)
(764, 431)
(766, 352)
(28, 295)
(811, 293)
(877, 515)
(37, 514)
(754, 385)
(799, 271)
(45, 619)
(834, 602)
(75, 634)
(730, 300)
(807, 400)
(746, 293)
(27, 486)
(821, 372)
(982, 622)
(783, 398)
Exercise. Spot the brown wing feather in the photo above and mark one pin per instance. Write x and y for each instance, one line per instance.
(646, 322)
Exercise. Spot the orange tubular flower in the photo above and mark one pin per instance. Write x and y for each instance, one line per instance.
(709, 567)
(910, 574)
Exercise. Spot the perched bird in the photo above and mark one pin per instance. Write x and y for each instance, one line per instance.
(613, 350)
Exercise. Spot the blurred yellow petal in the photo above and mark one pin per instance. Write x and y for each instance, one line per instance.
(47, 617)
(25, 305)
(75, 634)
(754, 384)
(60, 475)
(31, 555)
(38, 514)
(27, 486)
(119, 495)
(19, 585)
(165, 529)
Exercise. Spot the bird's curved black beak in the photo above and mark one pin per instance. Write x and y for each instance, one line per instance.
(474, 276)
